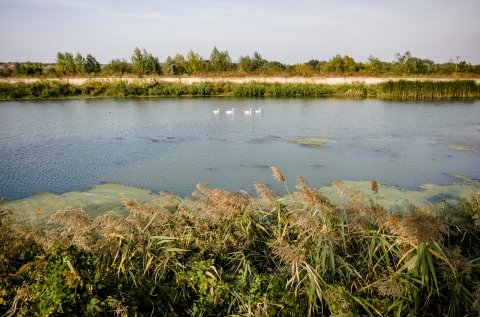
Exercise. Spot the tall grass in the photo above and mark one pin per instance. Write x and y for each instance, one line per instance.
(393, 89)
(232, 254)
(403, 89)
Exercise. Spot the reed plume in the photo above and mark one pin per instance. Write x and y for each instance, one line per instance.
(266, 193)
(277, 174)
(374, 184)
(312, 197)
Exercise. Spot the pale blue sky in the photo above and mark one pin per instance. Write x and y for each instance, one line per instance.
(287, 31)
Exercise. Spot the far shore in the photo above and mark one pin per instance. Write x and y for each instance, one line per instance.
(240, 80)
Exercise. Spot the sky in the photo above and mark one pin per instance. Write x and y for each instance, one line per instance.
(288, 31)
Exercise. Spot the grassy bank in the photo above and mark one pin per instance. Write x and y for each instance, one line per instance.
(392, 89)
(230, 254)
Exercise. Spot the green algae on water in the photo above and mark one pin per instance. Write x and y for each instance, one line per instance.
(311, 142)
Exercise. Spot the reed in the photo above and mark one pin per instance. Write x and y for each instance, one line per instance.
(429, 89)
(392, 89)
(228, 253)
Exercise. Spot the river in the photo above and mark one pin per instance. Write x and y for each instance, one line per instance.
(171, 144)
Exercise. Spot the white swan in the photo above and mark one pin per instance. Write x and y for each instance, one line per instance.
(230, 111)
(259, 110)
(248, 112)
(216, 111)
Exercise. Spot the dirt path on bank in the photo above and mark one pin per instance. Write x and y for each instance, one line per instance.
(241, 80)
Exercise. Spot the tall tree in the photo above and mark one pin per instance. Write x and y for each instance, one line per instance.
(251, 64)
(65, 63)
(79, 64)
(194, 62)
(145, 63)
(219, 60)
(118, 67)
(91, 65)
(175, 65)
(339, 64)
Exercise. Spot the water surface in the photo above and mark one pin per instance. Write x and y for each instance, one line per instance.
(171, 144)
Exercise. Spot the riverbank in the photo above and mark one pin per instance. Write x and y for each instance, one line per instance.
(103, 198)
(226, 253)
(151, 87)
(240, 80)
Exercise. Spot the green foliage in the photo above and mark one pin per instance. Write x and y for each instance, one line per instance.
(376, 66)
(220, 61)
(339, 64)
(408, 64)
(91, 65)
(251, 90)
(145, 63)
(118, 67)
(69, 65)
(251, 64)
(98, 88)
(176, 65)
(79, 64)
(404, 89)
(29, 69)
(194, 63)
(230, 254)
(66, 63)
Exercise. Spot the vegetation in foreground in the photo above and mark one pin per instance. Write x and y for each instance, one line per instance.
(230, 254)
(392, 89)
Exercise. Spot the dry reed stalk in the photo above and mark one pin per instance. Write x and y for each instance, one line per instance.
(140, 214)
(417, 226)
(76, 226)
(287, 253)
(277, 174)
(311, 197)
(112, 223)
(344, 190)
(221, 205)
(45, 239)
(374, 186)
(265, 193)
(390, 285)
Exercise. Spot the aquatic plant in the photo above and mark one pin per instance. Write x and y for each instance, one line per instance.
(404, 89)
(392, 89)
(310, 142)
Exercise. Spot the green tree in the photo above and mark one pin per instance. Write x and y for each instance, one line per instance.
(29, 69)
(219, 60)
(303, 69)
(194, 62)
(375, 66)
(339, 64)
(245, 64)
(65, 63)
(176, 65)
(408, 64)
(79, 64)
(313, 63)
(145, 63)
(251, 64)
(258, 61)
(118, 67)
(274, 66)
(91, 65)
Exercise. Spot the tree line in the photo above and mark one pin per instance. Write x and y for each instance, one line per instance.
(219, 62)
